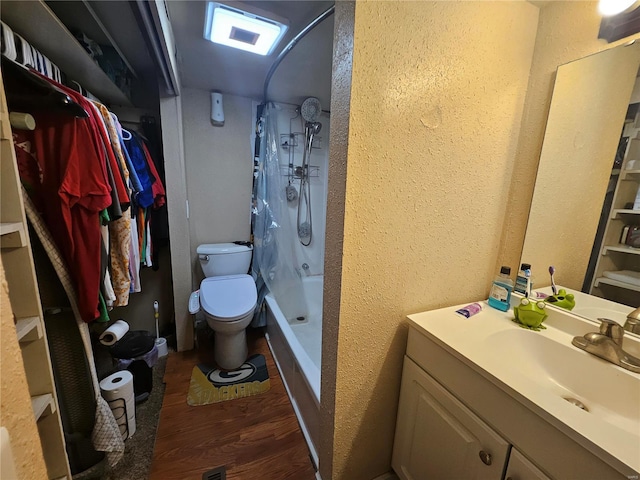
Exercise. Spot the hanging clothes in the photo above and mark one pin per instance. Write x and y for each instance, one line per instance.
(119, 229)
(134, 263)
(133, 175)
(159, 218)
(107, 287)
(156, 187)
(71, 189)
(136, 153)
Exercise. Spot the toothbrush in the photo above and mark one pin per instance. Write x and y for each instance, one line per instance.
(527, 292)
(552, 270)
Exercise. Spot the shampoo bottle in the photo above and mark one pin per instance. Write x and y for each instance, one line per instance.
(500, 294)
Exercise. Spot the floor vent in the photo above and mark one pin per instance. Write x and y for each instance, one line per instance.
(219, 473)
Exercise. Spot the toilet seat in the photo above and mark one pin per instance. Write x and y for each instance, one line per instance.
(228, 298)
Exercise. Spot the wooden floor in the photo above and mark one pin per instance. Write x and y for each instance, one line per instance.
(255, 438)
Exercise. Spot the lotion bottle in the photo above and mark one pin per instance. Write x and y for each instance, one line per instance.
(500, 295)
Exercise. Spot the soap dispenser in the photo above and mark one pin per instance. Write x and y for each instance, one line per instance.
(500, 295)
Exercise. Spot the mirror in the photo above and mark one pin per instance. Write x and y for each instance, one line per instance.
(589, 105)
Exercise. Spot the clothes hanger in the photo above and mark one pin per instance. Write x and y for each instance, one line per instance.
(28, 92)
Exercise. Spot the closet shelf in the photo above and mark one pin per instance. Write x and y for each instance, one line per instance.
(28, 329)
(42, 404)
(620, 248)
(81, 16)
(616, 283)
(618, 212)
(631, 175)
(13, 235)
(39, 26)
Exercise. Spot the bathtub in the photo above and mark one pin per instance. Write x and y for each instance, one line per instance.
(297, 348)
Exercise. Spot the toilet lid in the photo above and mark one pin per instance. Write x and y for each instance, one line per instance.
(228, 297)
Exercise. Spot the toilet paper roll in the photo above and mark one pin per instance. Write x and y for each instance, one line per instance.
(117, 385)
(117, 390)
(114, 333)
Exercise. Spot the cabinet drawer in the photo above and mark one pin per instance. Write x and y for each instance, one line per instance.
(437, 437)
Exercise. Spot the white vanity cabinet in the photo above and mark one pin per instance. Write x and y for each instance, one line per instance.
(520, 468)
(455, 420)
(438, 437)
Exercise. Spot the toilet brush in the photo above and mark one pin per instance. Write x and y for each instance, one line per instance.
(161, 343)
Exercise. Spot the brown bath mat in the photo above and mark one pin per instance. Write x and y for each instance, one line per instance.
(212, 385)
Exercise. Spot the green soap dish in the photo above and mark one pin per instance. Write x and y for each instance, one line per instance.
(530, 314)
(562, 299)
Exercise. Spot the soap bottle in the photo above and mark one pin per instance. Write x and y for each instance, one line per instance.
(521, 279)
(500, 294)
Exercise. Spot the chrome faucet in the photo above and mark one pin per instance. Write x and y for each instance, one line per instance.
(607, 344)
(633, 322)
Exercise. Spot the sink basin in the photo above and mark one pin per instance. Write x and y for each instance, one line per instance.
(606, 391)
(548, 375)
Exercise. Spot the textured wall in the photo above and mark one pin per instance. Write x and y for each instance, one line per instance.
(436, 102)
(16, 414)
(338, 153)
(219, 166)
(173, 143)
(567, 31)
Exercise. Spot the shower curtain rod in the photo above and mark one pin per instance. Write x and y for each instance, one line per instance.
(324, 15)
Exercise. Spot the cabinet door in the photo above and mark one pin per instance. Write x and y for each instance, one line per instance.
(522, 469)
(437, 437)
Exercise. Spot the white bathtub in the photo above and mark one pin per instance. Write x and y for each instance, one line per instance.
(297, 348)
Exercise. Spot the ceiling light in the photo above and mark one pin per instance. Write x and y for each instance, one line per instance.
(608, 8)
(241, 29)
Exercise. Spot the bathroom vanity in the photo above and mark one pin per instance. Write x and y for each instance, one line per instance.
(484, 398)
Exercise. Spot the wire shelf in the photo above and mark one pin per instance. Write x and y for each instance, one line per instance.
(290, 140)
(295, 171)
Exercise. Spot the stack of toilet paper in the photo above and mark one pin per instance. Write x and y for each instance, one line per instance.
(117, 390)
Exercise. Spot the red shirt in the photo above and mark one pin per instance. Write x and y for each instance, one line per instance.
(73, 188)
(156, 187)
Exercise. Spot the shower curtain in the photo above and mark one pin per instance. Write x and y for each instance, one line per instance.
(274, 236)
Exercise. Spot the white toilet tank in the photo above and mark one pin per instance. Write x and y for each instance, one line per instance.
(224, 258)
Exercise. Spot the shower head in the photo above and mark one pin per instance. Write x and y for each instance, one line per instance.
(310, 109)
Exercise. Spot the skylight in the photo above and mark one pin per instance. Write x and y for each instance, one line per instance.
(240, 29)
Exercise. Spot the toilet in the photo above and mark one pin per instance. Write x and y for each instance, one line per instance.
(228, 297)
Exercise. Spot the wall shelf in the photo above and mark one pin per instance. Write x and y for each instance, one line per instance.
(25, 302)
(616, 283)
(631, 175)
(12, 234)
(43, 404)
(10, 227)
(28, 329)
(620, 248)
(618, 212)
(39, 26)
(614, 255)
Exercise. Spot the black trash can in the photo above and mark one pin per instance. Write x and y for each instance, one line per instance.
(136, 351)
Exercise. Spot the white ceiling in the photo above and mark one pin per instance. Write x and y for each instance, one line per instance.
(305, 71)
